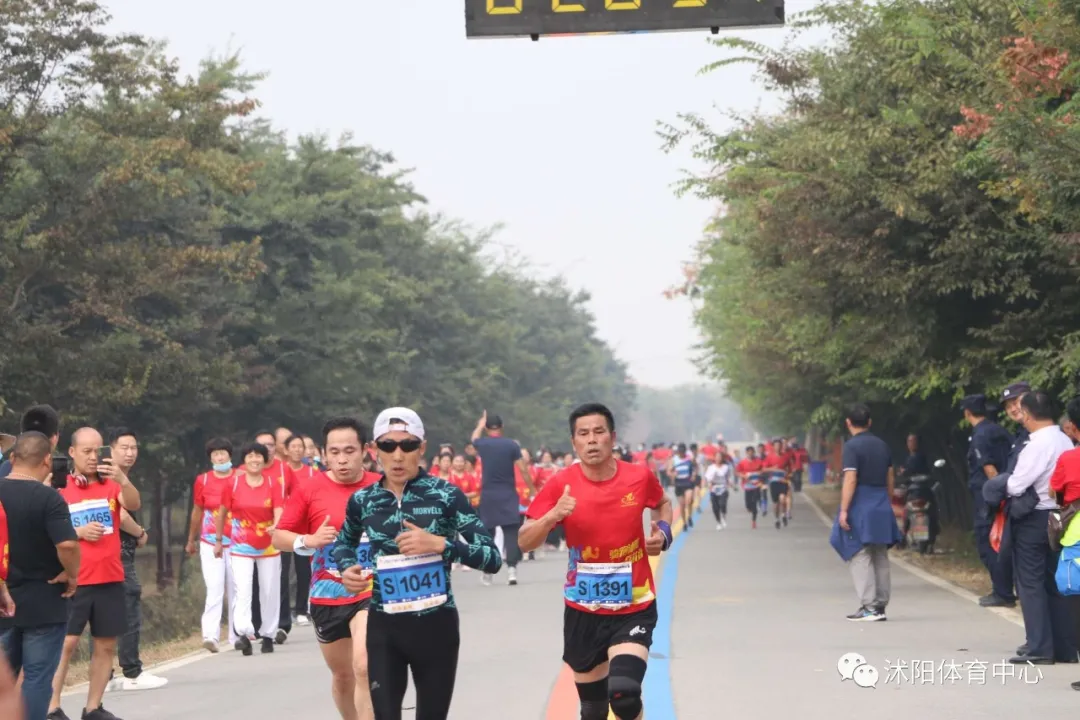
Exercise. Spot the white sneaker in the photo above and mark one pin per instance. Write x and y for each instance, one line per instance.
(485, 579)
(723, 522)
(719, 527)
(145, 681)
(511, 576)
(303, 620)
(211, 645)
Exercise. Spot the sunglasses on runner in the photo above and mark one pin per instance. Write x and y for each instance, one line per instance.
(389, 446)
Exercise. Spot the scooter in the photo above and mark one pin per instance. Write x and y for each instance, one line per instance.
(921, 508)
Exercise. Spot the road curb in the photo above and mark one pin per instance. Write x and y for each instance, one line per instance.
(1010, 614)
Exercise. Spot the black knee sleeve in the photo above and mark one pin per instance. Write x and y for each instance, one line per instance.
(593, 697)
(625, 673)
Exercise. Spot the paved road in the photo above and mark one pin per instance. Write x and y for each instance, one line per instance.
(755, 629)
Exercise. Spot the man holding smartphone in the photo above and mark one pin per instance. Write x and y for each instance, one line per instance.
(95, 494)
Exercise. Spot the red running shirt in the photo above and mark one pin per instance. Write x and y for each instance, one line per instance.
(1065, 482)
(283, 474)
(208, 490)
(749, 467)
(97, 502)
(252, 513)
(313, 501)
(605, 529)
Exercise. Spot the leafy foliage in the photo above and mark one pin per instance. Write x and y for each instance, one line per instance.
(172, 263)
(903, 233)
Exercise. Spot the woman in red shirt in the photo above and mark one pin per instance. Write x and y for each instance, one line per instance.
(255, 501)
(202, 534)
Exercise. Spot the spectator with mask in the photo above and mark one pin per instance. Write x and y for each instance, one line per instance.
(125, 451)
(95, 493)
(1047, 621)
(208, 493)
(988, 455)
(42, 570)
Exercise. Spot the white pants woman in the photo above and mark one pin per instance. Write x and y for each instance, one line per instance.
(218, 578)
(243, 572)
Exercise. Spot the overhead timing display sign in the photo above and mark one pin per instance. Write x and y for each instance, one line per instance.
(537, 18)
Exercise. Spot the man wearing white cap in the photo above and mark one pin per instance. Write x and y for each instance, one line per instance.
(412, 521)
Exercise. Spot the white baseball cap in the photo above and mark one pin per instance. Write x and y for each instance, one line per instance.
(404, 419)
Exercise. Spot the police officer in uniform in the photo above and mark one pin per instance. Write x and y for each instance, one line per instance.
(988, 455)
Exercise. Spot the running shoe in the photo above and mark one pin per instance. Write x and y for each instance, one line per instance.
(485, 579)
(866, 615)
(210, 645)
(302, 619)
(511, 576)
(145, 681)
(57, 714)
(98, 713)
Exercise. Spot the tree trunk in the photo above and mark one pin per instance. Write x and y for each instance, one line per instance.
(159, 535)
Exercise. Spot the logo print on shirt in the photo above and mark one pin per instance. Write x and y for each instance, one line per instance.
(590, 553)
(638, 630)
(628, 500)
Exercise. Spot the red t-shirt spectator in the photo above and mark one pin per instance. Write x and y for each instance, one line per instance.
(1065, 482)
(252, 513)
(207, 493)
(5, 558)
(97, 502)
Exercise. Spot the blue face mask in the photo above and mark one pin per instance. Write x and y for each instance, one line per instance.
(223, 467)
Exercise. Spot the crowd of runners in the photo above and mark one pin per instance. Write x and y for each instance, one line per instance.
(375, 526)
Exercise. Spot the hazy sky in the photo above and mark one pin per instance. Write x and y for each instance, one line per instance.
(553, 139)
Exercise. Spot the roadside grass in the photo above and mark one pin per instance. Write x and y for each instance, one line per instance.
(955, 558)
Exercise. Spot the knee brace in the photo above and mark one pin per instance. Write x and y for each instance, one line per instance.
(625, 673)
(593, 697)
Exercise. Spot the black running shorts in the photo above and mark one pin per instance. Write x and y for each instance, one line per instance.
(103, 607)
(776, 489)
(587, 636)
(332, 621)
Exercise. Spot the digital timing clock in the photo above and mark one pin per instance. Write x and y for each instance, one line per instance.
(516, 18)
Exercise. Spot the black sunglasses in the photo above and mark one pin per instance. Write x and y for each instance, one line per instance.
(389, 446)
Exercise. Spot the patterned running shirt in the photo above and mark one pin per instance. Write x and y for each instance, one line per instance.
(431, 504)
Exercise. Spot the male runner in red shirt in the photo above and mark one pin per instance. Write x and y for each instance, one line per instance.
(749, 472)
(609, 594)
(309, 526)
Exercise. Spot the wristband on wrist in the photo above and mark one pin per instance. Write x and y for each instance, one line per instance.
(666, 529)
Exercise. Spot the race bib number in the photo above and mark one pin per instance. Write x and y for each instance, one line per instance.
(89, 511)
(363, 552)
(411, 583)
(606, 585)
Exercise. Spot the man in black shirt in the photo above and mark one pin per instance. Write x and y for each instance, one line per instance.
(125, 451)
(43, 570)
(499, 500)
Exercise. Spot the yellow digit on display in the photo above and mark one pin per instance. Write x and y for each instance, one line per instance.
(622, 4)
(691, 3)
(514, 9)
(563, 6)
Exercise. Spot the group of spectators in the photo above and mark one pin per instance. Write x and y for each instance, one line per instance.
(1018, 482)
(69, 530)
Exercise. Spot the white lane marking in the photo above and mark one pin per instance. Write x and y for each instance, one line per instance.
(1011, 614)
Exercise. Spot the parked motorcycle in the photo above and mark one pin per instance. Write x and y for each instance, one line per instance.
(922, 524)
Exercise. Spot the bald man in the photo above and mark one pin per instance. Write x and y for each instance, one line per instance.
(95, 493)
